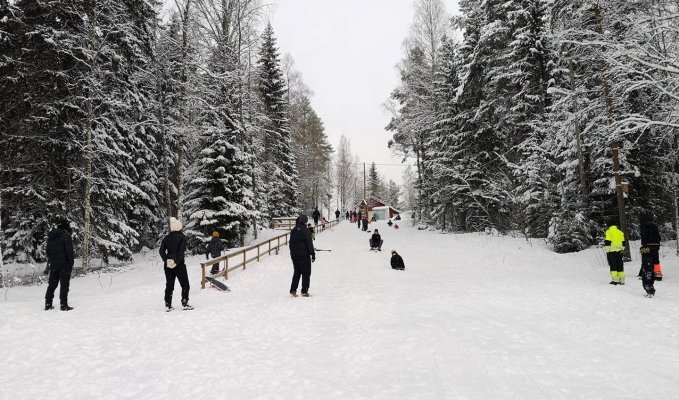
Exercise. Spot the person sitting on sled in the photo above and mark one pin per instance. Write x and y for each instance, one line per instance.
(376, 241)
(397, 261)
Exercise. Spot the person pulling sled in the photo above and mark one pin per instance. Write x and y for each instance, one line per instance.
(214, 249)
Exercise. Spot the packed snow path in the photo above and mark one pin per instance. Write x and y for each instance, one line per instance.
(471, 317)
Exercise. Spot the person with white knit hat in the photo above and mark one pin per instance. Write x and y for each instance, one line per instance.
(172, 251)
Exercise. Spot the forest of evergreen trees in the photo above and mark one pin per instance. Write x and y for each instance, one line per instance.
(511, 108)
(116, 117)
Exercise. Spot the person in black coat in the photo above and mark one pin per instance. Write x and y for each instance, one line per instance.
(359, 219)
(60, 259)
(376, 241)
(214, 249)
(650, 249)
(303, 254)
(316, 215)
(337, 214)
(397, 261)
(172, 251)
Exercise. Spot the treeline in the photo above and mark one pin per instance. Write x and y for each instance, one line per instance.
(510, 111)
(117, 119)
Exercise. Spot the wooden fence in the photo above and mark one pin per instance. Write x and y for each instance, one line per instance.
(250, 254)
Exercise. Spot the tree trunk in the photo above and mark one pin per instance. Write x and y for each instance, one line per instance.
(578, 133)
(182, 111)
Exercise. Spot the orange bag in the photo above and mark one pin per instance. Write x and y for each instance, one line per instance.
(657, 272)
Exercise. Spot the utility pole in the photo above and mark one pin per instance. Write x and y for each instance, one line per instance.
(608, 101)
(621, 198)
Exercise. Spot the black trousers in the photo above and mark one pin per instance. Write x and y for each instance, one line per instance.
(179, 273)
(615, 261)
(58, 276)
(215, 268)
(302, 267)
(373, 244)
(647, 277)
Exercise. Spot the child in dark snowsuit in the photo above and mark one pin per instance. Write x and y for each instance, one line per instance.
(313, 233)
(397, 261)
(214, 249)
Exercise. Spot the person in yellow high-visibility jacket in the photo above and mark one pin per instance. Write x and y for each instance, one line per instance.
(614, 246)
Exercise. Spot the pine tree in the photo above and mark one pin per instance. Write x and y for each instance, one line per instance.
(375, 185)
(280, 174)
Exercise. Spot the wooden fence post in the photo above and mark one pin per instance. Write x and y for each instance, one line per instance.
(226, 269)
(257, 253)
(245, 258)
(278, 244)
(202, 278)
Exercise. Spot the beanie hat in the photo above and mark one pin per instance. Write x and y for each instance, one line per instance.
(215, 234)
(175, 225)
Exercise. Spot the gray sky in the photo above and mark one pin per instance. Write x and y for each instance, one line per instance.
(347, 52)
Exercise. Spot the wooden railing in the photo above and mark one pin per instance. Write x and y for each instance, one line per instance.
(243, 258)
(283, 222)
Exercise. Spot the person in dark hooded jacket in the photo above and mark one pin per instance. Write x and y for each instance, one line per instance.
(60, 259)
(172, 251)
(303, 254)
(214, 249)
(316, 215)
(650, 248)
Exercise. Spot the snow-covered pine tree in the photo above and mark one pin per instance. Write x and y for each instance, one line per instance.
(312, 153)
(38, 144)
(280, 175)
(219, 198)
(375, 184)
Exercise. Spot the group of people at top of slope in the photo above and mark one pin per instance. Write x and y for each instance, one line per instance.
(614, 246)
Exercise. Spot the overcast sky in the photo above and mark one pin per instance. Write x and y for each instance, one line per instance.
(347, 52)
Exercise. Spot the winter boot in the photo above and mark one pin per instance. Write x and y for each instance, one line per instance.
(48, 305)
(306, 294)
(293, 294)
(168, 307)
(186, 306)
(66, 307)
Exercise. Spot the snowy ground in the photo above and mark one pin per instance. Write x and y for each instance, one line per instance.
(471, 317)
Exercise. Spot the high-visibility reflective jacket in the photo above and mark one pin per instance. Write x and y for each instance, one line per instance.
(615, 240)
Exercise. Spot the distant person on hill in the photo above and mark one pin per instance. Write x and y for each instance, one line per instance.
(303, 254)
(316, 215)
(172, 251)
(359, 219)
(60, 259)
(376, 241)
(650, 257)
(347, 216)
(354, 216)
(374, 218)
(390, 223)
(397, 261)
(337, 214)
(614, 245)
(214, 249)
(398, 217)
(395, 226)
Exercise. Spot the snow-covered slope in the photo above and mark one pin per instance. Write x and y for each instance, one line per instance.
(471, 317)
